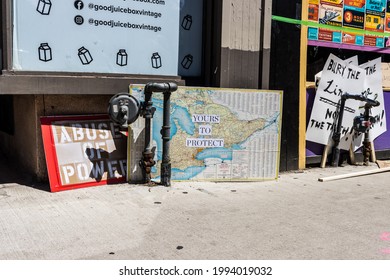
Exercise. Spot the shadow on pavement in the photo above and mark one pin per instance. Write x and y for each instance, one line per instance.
(9, 175)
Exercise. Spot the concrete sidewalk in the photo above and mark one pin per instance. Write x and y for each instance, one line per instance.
(296, 217)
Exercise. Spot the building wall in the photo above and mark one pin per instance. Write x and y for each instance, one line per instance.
(240, 50)
(235, 45)
(285, 75)
(24, 149)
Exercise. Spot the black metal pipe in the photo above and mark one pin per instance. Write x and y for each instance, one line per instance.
(370, 102)
(147, 161)
(166, 137)
(366, 141)
(367, 149)
(337, 134)
(160, 87)
(148, 115)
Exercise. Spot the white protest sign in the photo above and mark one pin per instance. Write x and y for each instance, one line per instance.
(352, 60)
(373, 90)
(338, 77)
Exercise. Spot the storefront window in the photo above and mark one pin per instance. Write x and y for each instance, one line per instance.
(158, 37)
(190, 45)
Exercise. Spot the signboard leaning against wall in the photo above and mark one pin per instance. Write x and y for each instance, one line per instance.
(99, 36)
(340, 77)
(83, 151)
(216, 134)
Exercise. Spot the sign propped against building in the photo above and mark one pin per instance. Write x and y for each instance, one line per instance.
(216, 134)
(340, 77)
(373, 90)
(83, 151)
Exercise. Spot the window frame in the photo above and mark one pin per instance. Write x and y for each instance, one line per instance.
(38, 82)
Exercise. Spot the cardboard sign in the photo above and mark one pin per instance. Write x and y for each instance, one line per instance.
(373, 90)
(338, 77)
(83, 151)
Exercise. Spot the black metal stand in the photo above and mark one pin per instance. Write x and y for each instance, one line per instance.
(337, 133)
(367, 150)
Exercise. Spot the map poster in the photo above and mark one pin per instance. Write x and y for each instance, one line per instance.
(83, 151)
(216, 134)
(103, 36)
(338, 77)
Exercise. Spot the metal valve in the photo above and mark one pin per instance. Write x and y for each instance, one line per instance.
(363, 123)
(123, 109)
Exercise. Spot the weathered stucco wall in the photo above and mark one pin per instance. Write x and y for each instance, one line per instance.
(240, 43)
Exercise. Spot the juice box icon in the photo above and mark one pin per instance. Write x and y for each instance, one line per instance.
(156, 60)
(44, 52)
(85, 56)
(44, 7)
(186, 23)
(187, 61)
(121, 57)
